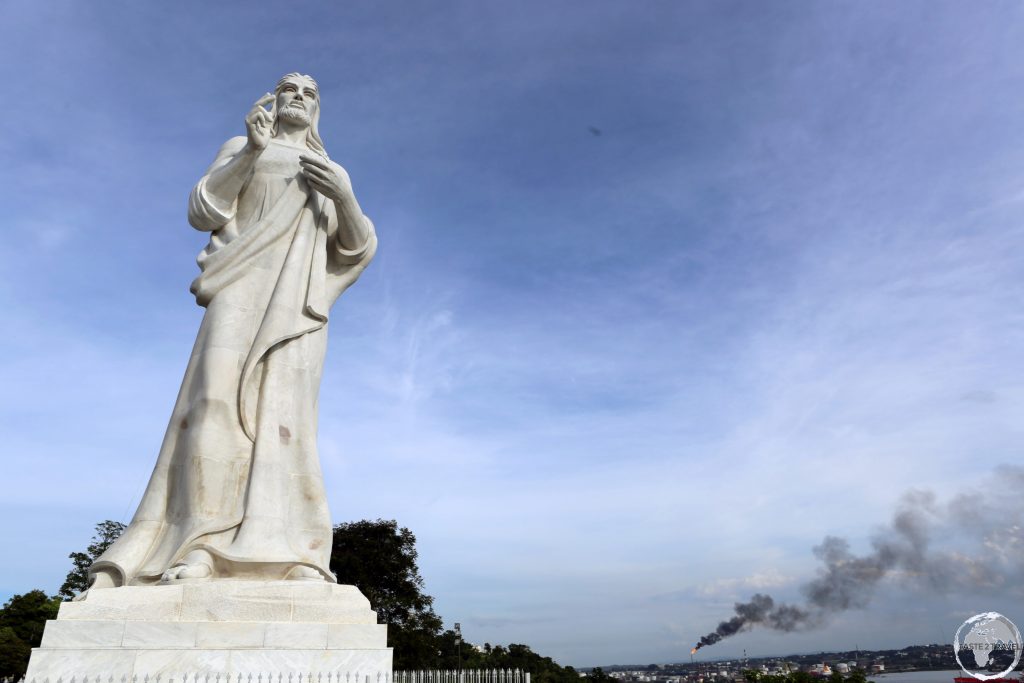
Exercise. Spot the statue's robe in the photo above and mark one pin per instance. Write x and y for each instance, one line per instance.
(238, 473)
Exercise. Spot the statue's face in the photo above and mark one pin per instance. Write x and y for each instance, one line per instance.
(297, 99)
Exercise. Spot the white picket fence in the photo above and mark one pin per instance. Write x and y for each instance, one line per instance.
(464, 676)
(426, 676)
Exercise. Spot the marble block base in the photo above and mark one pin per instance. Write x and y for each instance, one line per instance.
(215, 627)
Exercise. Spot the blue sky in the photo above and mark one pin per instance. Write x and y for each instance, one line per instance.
(666, 291)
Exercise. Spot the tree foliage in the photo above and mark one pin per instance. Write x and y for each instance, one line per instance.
(597, 675)
(515, 656)
(77, 579)
(379, 558)
(22, 619)
(755, 676)
(14, 654)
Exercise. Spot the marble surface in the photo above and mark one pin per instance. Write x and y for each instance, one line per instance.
(226, 600)
(214, 627)
(91, 635)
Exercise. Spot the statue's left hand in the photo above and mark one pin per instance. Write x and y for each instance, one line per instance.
(328, 179)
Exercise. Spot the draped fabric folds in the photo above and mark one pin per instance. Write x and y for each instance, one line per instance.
(238, 473)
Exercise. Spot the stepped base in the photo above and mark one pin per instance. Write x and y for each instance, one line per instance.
(215, 627)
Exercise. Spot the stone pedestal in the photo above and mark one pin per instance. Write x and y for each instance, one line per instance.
(224, 627)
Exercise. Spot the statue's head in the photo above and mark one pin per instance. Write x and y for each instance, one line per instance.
(297, 99)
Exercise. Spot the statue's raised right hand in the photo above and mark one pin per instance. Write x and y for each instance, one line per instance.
(258, 123)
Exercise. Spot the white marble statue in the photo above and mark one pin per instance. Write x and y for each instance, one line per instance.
(237, 490)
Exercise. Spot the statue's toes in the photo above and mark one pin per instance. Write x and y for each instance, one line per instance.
(195, 571)
(304, 573)
(171, 574)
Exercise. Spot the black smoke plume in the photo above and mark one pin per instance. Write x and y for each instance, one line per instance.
(992, 518)
(761, 609)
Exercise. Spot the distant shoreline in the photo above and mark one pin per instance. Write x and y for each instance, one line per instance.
(910, 658)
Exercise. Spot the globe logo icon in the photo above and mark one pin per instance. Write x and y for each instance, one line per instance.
(987, 646)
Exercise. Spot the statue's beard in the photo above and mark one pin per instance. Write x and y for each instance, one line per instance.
(296, 113)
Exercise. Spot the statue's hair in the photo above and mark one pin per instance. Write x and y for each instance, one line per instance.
(313, 140)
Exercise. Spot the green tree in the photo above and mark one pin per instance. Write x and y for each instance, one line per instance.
(515, 656)
(26, 614)
(857, 676)
(835, 677)
(597, 675)
(77, 579)
(22, 619)
(14, 654)
(379, 558)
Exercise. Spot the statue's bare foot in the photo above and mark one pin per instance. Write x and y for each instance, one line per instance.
(180, 572)
(194, 566)
(195, 571)
(100, 580)
(303, 573)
